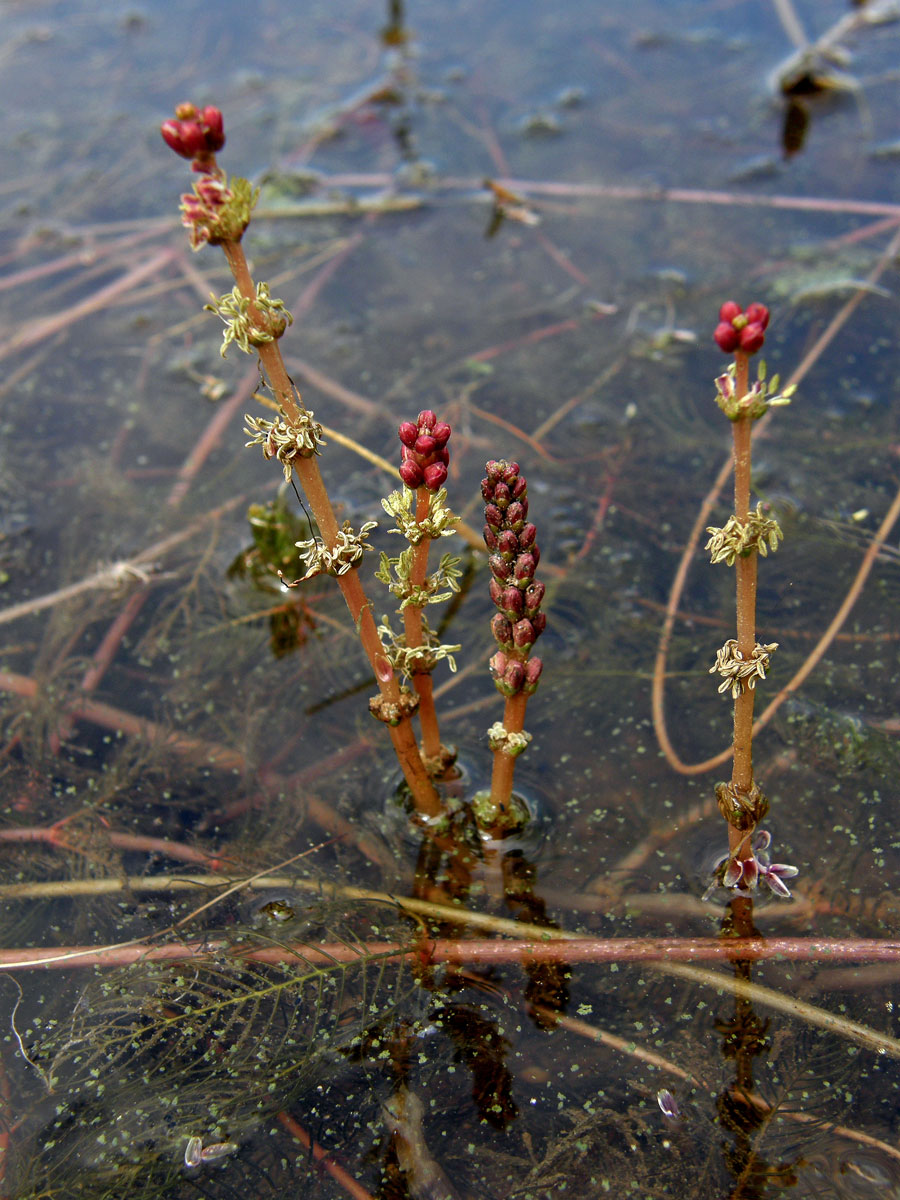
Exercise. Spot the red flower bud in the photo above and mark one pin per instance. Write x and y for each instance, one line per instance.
(525, 565)
(500, 568)
(508, 544)
(490, 538)
(539, 622)
(408, 433)
(501, 629)
(757, 314)
(726, 337)
(494, 470)
(533, 669)
(729, 311)
(193, 134)
(411, 474)
(493, 516)
(534, 594)
(752, 337)
(510, 473)
(516, 514)
(523, 633)
(514, 676)
(426, 419)
(496, 591)
(527, 535)
(519, 488)
(184, 137)
(215, 128)
(512, 603)
(435, 476)
(441, 432)
(425, 444)
(498, 662)
(501, 495)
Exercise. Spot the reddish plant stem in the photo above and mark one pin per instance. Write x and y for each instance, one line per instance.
(745, 568)
(426, 799)
(54, 835)
(505, 764)
(489, 950)
(412, 625)
(324, 1159)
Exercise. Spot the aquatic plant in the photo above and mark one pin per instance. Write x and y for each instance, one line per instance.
(742, 661)
(422, 517)
(217, 212)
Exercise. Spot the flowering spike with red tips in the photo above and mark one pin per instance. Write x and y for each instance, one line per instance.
(513, 564)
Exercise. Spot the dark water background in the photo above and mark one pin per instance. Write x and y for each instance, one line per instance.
(667, 174)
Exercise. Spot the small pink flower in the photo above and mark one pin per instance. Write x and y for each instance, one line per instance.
(744, 875)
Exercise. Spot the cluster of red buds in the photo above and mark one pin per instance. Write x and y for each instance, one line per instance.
(215, 211)
(196, 134)
(514, 556)
(741, 329)
(424, 452)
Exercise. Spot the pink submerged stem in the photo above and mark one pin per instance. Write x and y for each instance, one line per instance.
(493, 950)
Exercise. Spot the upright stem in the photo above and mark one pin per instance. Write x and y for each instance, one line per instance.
(742, 770)
(426, 798)
(505, 763)
(412, 624)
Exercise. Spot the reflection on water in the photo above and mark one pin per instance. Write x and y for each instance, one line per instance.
(848, 1171)
(177, 718)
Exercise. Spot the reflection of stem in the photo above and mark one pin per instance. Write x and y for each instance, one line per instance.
(743, 1040)
(789, 1005)
(547, 990)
